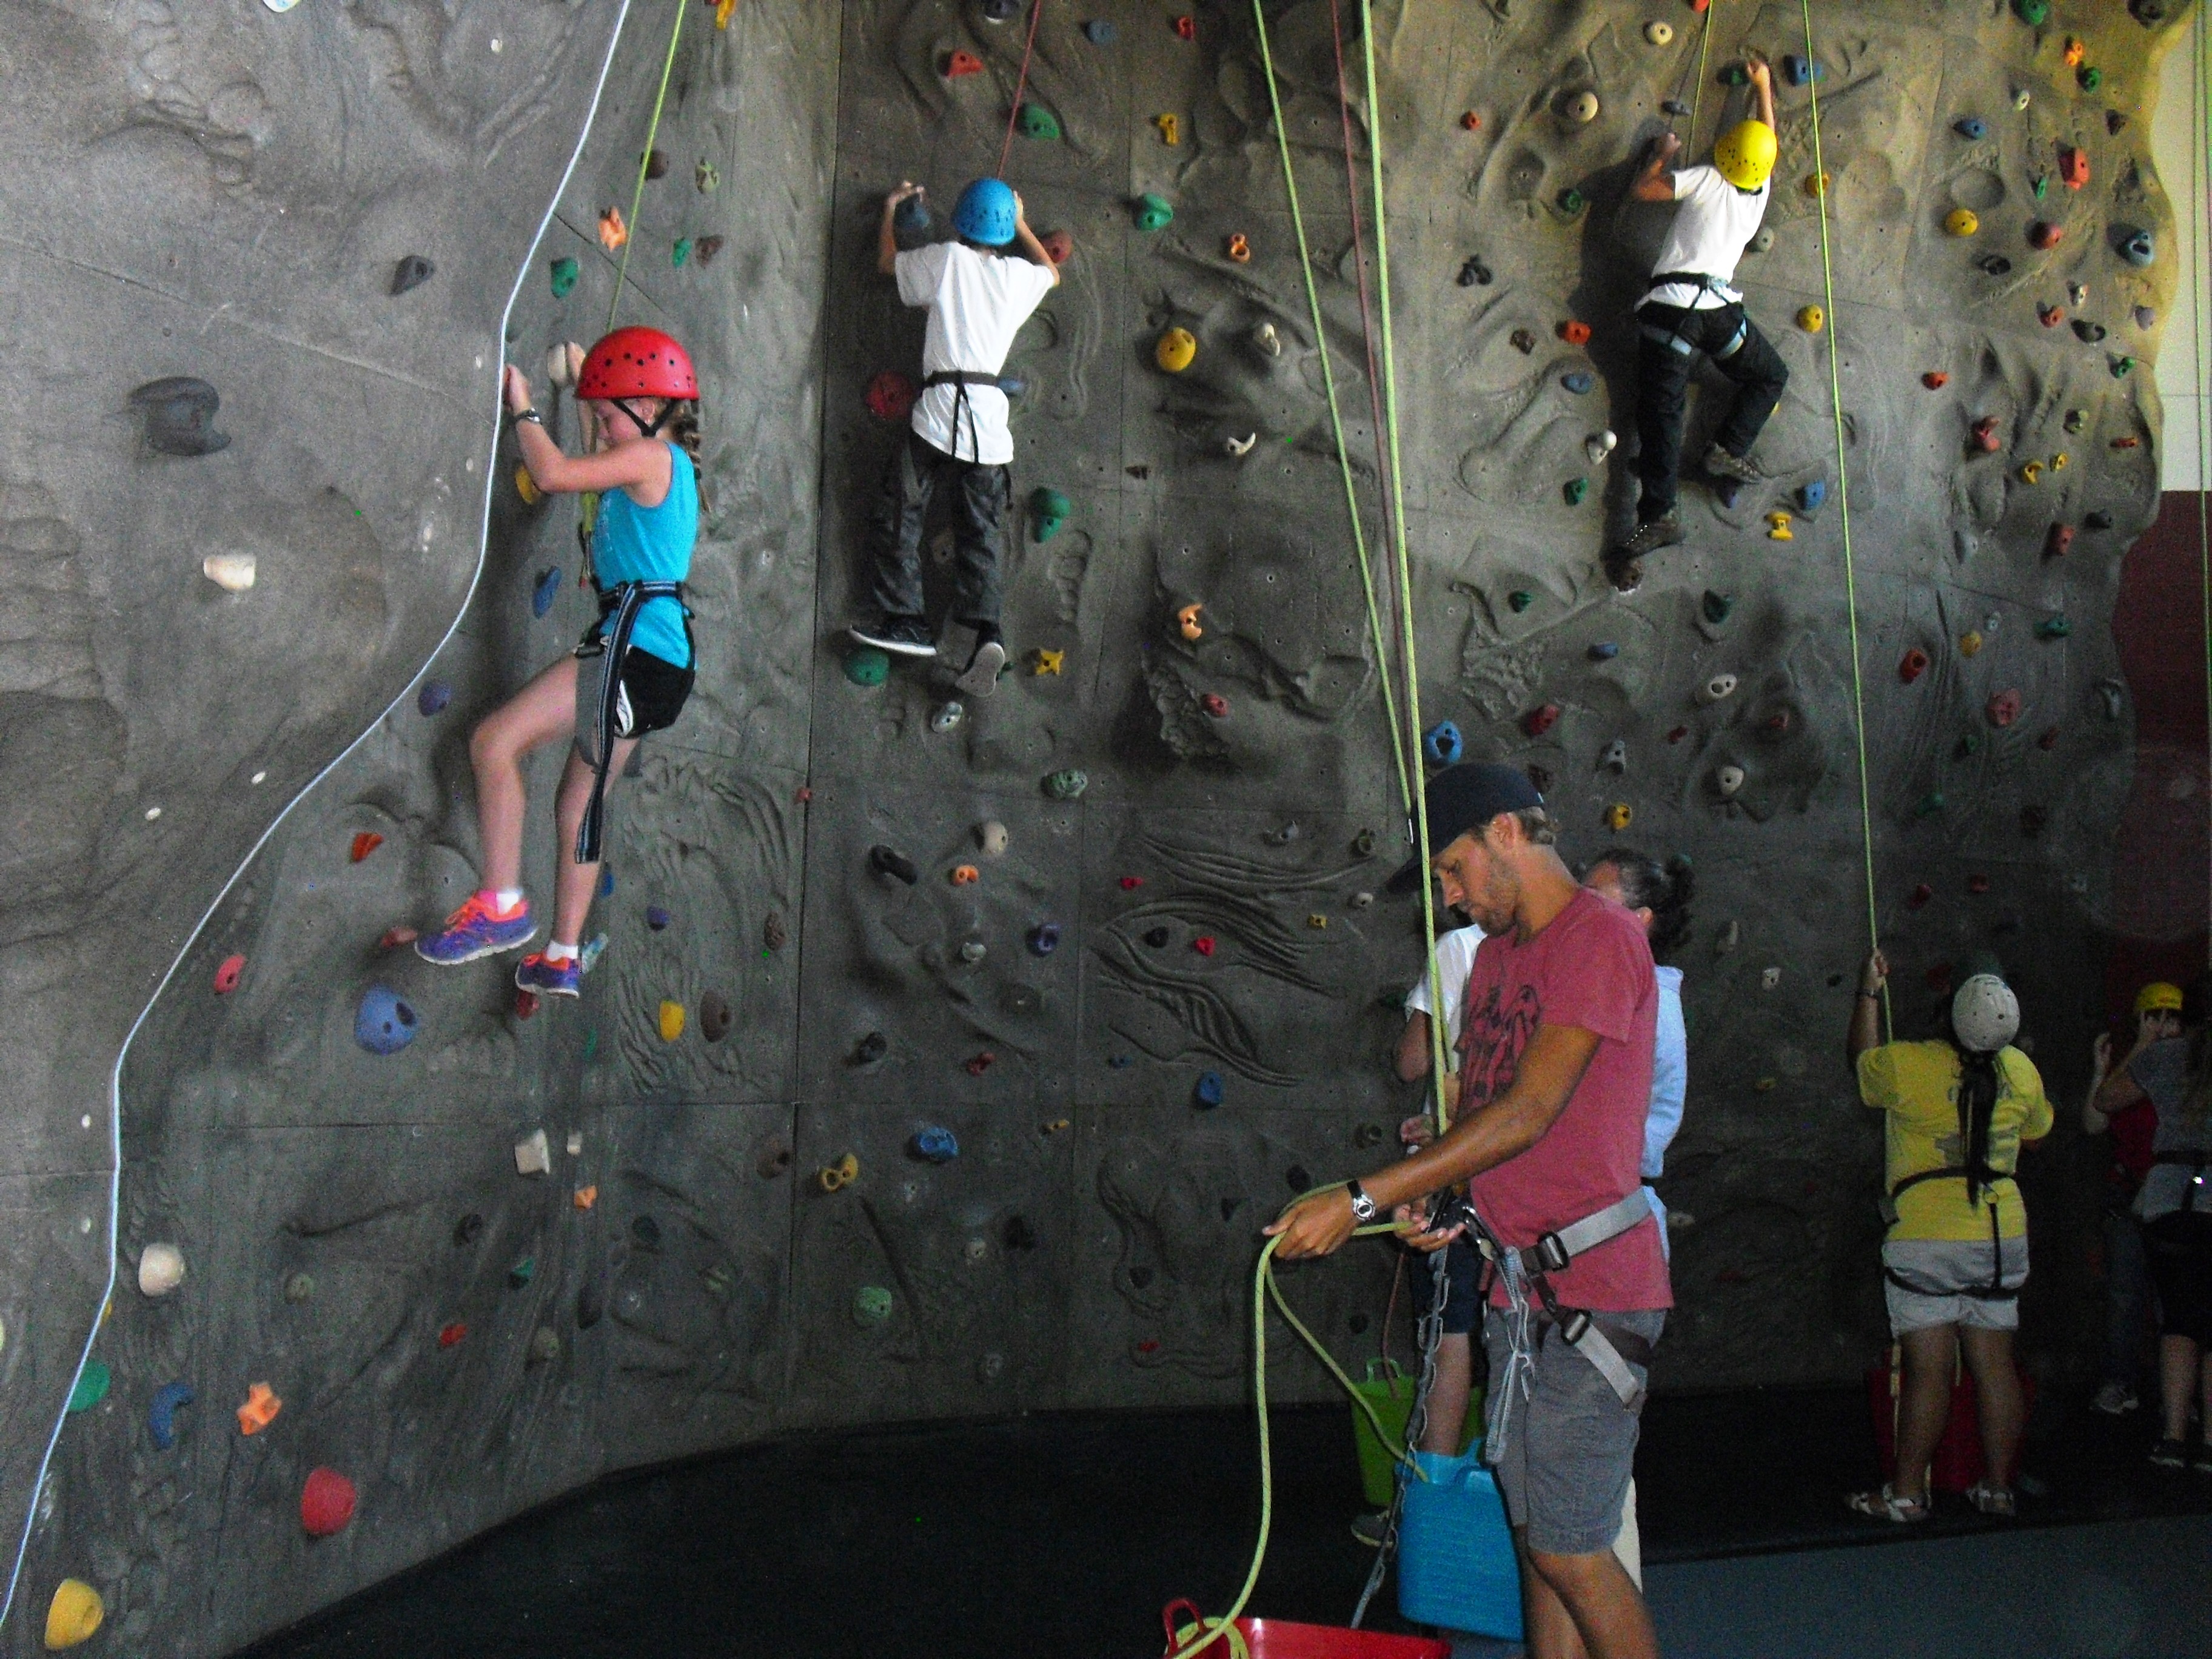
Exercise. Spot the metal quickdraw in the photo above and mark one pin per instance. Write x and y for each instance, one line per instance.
(621, 603)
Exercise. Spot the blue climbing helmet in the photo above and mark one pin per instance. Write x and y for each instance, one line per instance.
(985, 212)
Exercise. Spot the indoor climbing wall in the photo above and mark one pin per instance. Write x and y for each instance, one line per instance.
(942, 1060)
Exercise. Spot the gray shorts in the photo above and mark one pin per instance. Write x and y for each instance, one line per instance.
(1570, 1446)
(1938, 1274)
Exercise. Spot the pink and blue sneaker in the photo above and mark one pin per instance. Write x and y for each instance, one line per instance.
(478, 930)
(548, 978)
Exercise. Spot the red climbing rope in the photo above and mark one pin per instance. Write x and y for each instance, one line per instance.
(1021, 85)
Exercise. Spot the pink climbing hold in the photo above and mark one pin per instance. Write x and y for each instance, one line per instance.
(2073, 166)
(1985, 436)
(982, 1063)
(2002, 708)
(395, 937)
(1978, 885)
(526, 1004)
(1540, 720)
(891, 396)
(225, 976)
(1677, 734)
(1130, 883)
(1203, 944)
(1215, 705)
(2057, 541)
(2042, 235)
(1058, 247)
(327, 1502)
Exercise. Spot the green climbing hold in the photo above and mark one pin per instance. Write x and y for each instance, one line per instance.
(1578, 491)
(91, 1386)
(871, 1305)
(522, 1272)
(1734, 76)
(590, 1044)
(1970, 744)
(683, 251)
(1520, 600)
(2053, 628)
(1066, 786)
(1153, 212)
(1571, 200)
(1036, 121)
(1049, 512)
(2122, 367)
(1715, 607)
(2040, 184)
(865, 665)
(2091, 78)
(2034, 12)
(564, 278)
(1930, 804)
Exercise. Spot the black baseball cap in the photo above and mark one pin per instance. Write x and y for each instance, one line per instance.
(1464, 798)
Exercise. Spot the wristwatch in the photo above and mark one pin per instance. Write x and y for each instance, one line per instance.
(531, 416)
(1363, 1207)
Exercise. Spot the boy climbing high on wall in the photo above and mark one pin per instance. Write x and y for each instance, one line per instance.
(978, 299)
(1690, 308)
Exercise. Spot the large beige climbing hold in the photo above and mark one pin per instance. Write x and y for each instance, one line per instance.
(1659, 34)
(231, 572)
(1581, 108)
(161, 1269)
(532, 1157)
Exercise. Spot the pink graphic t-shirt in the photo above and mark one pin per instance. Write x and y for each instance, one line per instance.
(1591, 967)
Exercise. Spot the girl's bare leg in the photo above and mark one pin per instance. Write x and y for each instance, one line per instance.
(543, 712)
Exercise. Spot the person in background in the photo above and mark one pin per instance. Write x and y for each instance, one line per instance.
(2127, 1269)
(1958, 1111)
(2175, 1074)
(1658, 895)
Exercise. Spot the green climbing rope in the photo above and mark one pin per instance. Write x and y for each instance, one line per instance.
(1698, 90)
(644, 162)
(1843, 512)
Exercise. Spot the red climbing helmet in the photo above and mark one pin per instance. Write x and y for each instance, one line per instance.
(637, 363)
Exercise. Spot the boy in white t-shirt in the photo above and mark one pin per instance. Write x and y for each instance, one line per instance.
(1691, 308)
(978, 299)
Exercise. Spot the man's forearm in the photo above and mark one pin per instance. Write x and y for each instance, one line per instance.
(1481, 1140)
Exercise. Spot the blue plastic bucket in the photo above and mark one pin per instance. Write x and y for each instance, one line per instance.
(1455, 1564)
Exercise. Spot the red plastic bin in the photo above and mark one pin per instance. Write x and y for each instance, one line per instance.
(1277, 1639)
(1958, 1461)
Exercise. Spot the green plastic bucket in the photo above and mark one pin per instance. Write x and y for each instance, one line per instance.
(1390, 1391)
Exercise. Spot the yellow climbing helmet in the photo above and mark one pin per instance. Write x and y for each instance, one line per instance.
(1745, 154)
(2158, 997)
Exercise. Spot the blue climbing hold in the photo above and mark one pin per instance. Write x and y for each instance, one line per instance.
(2139, 249)
(1604, 651)
(1100, 32)
(656, 918)
(433, 697)
(1797, 70)
(1209, 1090)
(936, 1146)
(1441, 744)
(385, 1024)
(1971, 126)
(607, 881)
(547, 591)
(1812, 493)
(1119, 1062)
(1044, 939)
(1578, 381)
(161, 1416)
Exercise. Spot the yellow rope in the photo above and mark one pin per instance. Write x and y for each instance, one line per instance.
(1844, 511)
(1698, 91)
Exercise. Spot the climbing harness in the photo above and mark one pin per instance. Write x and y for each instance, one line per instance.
(1995, 1290)
(618, 609)
(1706, 283)
(960, 379)
(1843, 512)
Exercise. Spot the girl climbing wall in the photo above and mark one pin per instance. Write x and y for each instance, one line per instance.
(633, 670)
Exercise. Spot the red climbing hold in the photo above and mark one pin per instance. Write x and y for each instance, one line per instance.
(1920, 895)
(2045, 235)
(1186, 28)
(1677, 734)
(365, 843)
(2048, 739)
(325, 1503)
(225, 976)
(2073, 166)
(1058, 247)
(1575, 333)
(982, 1063)
(1149, 1344)
(395, 937)
(1698, 6)
(958, 63)
(526, 1004)
(1936, 379)
(1977, 884)
(1203, 944)
(1130, 883)
(1471, 121)
(1985, 436)
(804, 795)
(1216, 706)
(452, 1334)
(891, 396)
(2050, 316)
(1778, 720)
(1914, 666)
(1538, 721)
(2004, 708)
(2057, 541)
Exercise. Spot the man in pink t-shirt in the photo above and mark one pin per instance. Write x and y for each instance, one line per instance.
(1556, 1046)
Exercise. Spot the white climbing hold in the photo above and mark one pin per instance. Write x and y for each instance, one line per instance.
(1598, 445)
(1616, 755)
(153, 812)
(946, 718)
(1241, 445)
(991, 836)
(532, 1156)
(260, 777)
(1769, 978)
(1729, 780)
(1731, 937)
(2020, 98)
(232, 571)
(161, 1269)
(575, 1143)
(973, 950)
(1718, 688)
(1267, 340)
(1581, 108)
(1659, 34)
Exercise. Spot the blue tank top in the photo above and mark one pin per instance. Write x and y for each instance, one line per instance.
(634, 544)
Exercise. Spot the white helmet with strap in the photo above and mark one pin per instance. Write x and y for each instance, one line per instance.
(1985, 1014)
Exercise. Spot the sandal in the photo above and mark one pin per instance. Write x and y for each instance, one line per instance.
(1992, 1499)
(2170, 1455)
(1887, 1505)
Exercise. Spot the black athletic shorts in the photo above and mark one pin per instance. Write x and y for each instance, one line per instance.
(2179, 1245)
(1462, 1270)
(654, 693)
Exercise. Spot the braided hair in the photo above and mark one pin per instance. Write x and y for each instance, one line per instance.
(1978, 1105)
(1665, 889)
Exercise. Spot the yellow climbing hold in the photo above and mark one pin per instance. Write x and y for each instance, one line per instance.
(1970, 642)
(526, 487)
(613, 233)
(1314, 919)
(671, 1021)
(722, 10)
(1777, 527)
(1170, 128)
(1961, 221)
(1817, 184)
(1047, 662)
(2031, 473)
(73, 1614)
(1812, 319)
(843, 1173)
(2059, 462)
(1187, 620)
(1619, 816)
(1176, 350)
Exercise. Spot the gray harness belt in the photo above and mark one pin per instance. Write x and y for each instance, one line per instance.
(621, 603)
(1526, 1270)
(1671, 338)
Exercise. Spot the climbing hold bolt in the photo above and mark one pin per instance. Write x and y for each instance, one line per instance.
(259, 1410)
(1152, 212)
(1777, 527)
(161, 1269)
(1170, 128)
(1961, 221)
(74, 1614)
(385, 1022)
(1971, 127)
(1915, 664)
(179, 415)
(935, 1145)
(1209, 1092)
(1049, 512)
(1619, 816)
(1541, 720)
(226, 974)
(1441, 744)
(1812, 319)
(1176, 350)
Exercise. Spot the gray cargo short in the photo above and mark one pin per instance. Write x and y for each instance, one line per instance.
(1570, 1446)
(1938, 1274)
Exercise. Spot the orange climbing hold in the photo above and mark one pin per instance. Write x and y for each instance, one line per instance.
(613, 233)
(1240, 249)
(584, 1197)
(1187, 620)
(1575, 333)
(958, 63)
(2076, 51)
(259, 1410)
(965, 875)
(2127, 443)
(2073, 166)
(365, 843)
(1936, 379)
(1471, 121)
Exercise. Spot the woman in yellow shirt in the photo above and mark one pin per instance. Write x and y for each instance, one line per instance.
(1957, 1112)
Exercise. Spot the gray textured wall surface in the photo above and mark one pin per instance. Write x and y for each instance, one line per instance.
(224, 193)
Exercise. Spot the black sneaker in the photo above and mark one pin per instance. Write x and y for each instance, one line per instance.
(2170, 1455)
(1372, 1528)
(981, 677)
(1719, 463)
(903, 637)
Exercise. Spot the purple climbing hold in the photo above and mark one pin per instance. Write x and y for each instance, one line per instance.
(1044, 939)
(385, 1024)
(433, 697)
(656, 918)
(161, 1416)
(547, 591)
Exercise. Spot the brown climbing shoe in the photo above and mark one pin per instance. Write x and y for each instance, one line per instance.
(1626, 575)
(1650, 537)
(1719, 463)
